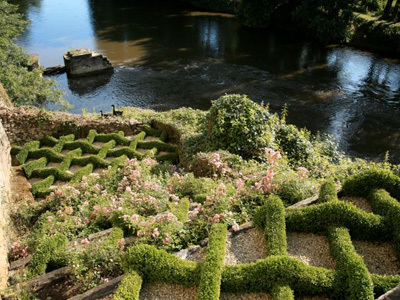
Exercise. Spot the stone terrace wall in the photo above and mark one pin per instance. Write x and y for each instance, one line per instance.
(23, 124)
(5, 197)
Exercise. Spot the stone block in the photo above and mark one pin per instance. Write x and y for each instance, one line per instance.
(83, 61)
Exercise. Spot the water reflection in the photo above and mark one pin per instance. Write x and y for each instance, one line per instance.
(170, 56)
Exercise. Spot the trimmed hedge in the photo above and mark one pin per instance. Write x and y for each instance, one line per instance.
(40, 186)
(151, 131)
(275, 228)
(211, 270)
(181, 211)
(383, 204)
(31, 166)
(361, 184)
(384, 283)
(350, 267)
(155, 265)
(22, 156)
(51, 248)
(129, 288)
(317, 218)
(328, 192)
(282, 293)
(265, 274)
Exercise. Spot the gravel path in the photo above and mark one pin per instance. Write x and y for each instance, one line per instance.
(245, 247)
(240, 296)
(379, 257)
(164, 291)
(359, 202)
(310, 248)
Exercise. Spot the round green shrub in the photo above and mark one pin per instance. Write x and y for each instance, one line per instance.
(239, 125)
(294, 143)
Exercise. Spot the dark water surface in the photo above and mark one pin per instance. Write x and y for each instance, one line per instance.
(169, 56)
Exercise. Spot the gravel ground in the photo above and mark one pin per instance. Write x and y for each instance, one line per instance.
(245, 247)
(379, 257)
(240, 296)
(164, 291)
(359, 202)
(310, 248)
(198, 256)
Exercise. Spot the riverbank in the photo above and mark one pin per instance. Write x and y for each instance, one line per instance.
(369, 33)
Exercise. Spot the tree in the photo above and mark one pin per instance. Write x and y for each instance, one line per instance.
(388, 8)
(21, 85)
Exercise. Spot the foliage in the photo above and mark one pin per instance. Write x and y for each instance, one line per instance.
(211, 269)
(350, 267)
(327, 192)
(22, 86)
(275, 229)
(257, 13)
(328, 21)
(129, 288)
(237, 124)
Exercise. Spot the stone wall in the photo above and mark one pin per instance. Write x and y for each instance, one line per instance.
(23, 124)
(5, 196)
(4, 100)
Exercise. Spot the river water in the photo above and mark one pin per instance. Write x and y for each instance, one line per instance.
(169, 56)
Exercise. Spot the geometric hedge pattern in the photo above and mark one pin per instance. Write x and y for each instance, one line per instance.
(51, 159)
(278, 274)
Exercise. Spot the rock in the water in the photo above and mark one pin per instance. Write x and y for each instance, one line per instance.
(54, 70)
(83, 61)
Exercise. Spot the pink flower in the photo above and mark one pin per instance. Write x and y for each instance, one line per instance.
(271, 155)
(302, 172)
(59, 193)
(265, 185)
(69, 210)
(221, 189)
(155, 233)
(85, 241)
(121, 244)
(128, 189)
(235, 226)
(166, 239)
(239, 184)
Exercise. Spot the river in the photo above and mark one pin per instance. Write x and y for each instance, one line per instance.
(168, 56)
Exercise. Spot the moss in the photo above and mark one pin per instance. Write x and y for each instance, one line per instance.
(129, 288)
(351, 269)
(327, 192)
(211, 270)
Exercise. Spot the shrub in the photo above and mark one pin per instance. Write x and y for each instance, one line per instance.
(295, 144)
(51, 248)
(239, 125)
(159, 266)
(257, 13)
(282, 293)
(211, 270)
(361, 184)
(129, 288)
(317, 218)
(182, 209)
(275, 229)
(350, 267)
(327, 192)
(384, 283)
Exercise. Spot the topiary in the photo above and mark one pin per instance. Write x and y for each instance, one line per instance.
(239, 125)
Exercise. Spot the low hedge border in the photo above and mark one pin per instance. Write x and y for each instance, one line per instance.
(363, 183)
(317, 218)
(52, 147)
(129, 288)
(275, 227)
(385, 205)
(327, 192)
(350, 267)
(181, 210)
(211, 270)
